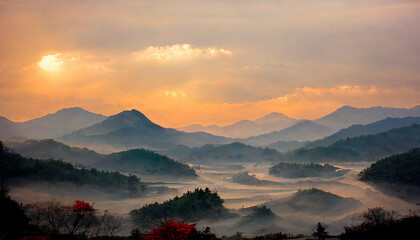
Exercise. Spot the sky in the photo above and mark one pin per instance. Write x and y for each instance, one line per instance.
(207, 61)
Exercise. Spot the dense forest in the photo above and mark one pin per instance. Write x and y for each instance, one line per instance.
(299, 170)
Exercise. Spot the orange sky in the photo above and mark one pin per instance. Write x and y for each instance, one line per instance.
(207, 61)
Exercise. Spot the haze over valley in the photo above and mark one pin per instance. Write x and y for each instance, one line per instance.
(209, 120)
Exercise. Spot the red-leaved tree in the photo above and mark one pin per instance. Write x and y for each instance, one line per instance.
(172, 231)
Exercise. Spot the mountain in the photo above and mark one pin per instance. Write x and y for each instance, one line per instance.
(372, 128)
(50, 126)
(246, 128)
(132, 129)
(314, 201)
(138, 161)
(302, 131)
(362, 148)
(232, 152)
(347, 116)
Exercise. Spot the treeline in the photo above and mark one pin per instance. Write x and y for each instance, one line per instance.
(14, 166)
(300, 170)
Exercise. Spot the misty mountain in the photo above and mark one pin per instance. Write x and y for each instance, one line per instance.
(246, 128)
(372, 128)
(232, 152)
(302, 131)
(347, 116)
(132, 129)
(314, 201)
(139, 161)
(50, 149)
(362, 148)
(50, 126)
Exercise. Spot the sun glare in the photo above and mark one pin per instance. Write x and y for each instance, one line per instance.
(51, 63)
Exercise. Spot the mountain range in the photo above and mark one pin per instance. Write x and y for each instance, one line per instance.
(341, 118)
(131, 129)
(50, 126)
(246, 128)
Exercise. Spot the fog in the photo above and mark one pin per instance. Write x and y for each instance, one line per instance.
(237, 197)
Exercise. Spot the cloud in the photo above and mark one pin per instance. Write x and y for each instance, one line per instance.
(72, 61)
(179, 52)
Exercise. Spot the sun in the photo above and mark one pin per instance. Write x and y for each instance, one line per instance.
(51, 63)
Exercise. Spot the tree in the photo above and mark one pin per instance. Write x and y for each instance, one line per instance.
(13, 221)
(320, 231)
(379, 215)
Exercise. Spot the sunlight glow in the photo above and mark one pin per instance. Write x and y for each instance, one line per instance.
(51, 63)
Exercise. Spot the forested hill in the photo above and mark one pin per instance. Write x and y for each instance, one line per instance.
(139, 161)
(362, 148)
(14, 166)
(400, 168)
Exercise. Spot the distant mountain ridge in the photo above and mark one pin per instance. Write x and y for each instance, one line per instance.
(50, 126)
(347, 115)
(132, 129)
(302, 131)
(372, 128)
(343, 117)
(246, 128)
(361, 148)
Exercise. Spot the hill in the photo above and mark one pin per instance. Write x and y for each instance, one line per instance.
(232, 152)
(314, 201)
(15, 167)
(398, 169)
(139, 161)
(302, 131)
(347, 115)
(372, 128)
(50, 126)
(144, 161)
(192, 206)
(132, 129)
(363, 148)
(250, 179)
(296, 170)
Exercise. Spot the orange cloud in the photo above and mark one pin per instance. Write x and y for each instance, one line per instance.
(178, 52)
